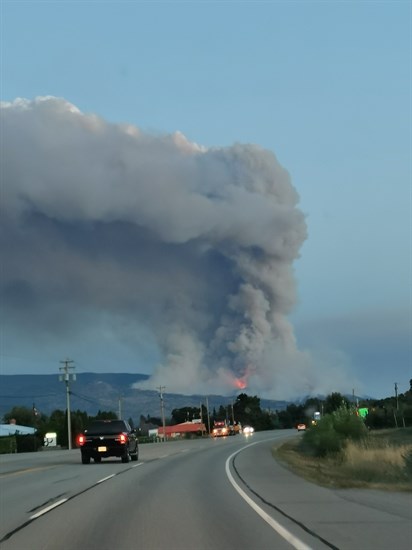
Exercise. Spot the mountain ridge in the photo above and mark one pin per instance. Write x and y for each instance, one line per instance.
(91, 392)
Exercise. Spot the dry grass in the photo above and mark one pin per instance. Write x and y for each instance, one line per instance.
(378, 463)
(381, 464)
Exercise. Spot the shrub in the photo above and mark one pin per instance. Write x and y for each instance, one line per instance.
(348, 424)
(377, 419)
(8, 444)
(408, 463)
(322, 439)
(407, 415)
(27, 443)
(329, 436)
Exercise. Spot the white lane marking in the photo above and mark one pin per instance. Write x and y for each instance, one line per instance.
(45, 510)
(105, 479)
(60, 502)
(287, 535)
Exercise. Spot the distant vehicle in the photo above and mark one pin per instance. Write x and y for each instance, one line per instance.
(220, 429)
(301, 427)
(107, 438)
(247, 430)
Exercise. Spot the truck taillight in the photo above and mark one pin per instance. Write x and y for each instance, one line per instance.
(81, 439)
(123, 438)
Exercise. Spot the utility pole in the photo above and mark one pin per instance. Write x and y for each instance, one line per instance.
(66, 376)
(208, 415)
(119, 414)
(396, 396)
(162, 408)
(35, 415)
(201, 416)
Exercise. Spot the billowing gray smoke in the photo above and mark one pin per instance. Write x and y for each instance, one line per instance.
(192, 245)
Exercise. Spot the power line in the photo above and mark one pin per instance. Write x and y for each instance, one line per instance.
(29, 396)
(92, 401)
(84, 398)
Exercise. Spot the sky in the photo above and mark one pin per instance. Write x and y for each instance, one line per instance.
(217, 194)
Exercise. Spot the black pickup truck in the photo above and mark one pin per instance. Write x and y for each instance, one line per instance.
(106, 438)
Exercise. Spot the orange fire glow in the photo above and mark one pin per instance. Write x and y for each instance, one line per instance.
(240, 383)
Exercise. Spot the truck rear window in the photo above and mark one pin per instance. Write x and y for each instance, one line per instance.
(102, 427)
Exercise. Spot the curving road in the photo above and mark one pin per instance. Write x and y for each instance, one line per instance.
(189, 495)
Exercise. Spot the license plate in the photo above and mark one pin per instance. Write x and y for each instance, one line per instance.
(102, 449)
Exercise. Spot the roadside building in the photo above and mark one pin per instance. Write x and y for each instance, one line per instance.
(182, 430)
(16, 429)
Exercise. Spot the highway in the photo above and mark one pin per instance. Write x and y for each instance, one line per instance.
(217, 494)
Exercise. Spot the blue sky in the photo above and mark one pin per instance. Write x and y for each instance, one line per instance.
(324, 85)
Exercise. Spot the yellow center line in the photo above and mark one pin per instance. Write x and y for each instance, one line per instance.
(25, 471)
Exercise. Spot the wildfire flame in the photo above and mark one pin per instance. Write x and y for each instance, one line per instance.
(240, 383)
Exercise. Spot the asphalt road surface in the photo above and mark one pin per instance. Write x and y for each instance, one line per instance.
(217, 494)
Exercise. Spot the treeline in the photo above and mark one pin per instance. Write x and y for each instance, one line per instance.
(245, 410)
(395, 411)
(390, 412)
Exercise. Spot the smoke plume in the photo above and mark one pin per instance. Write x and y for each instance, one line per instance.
(152, 233)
